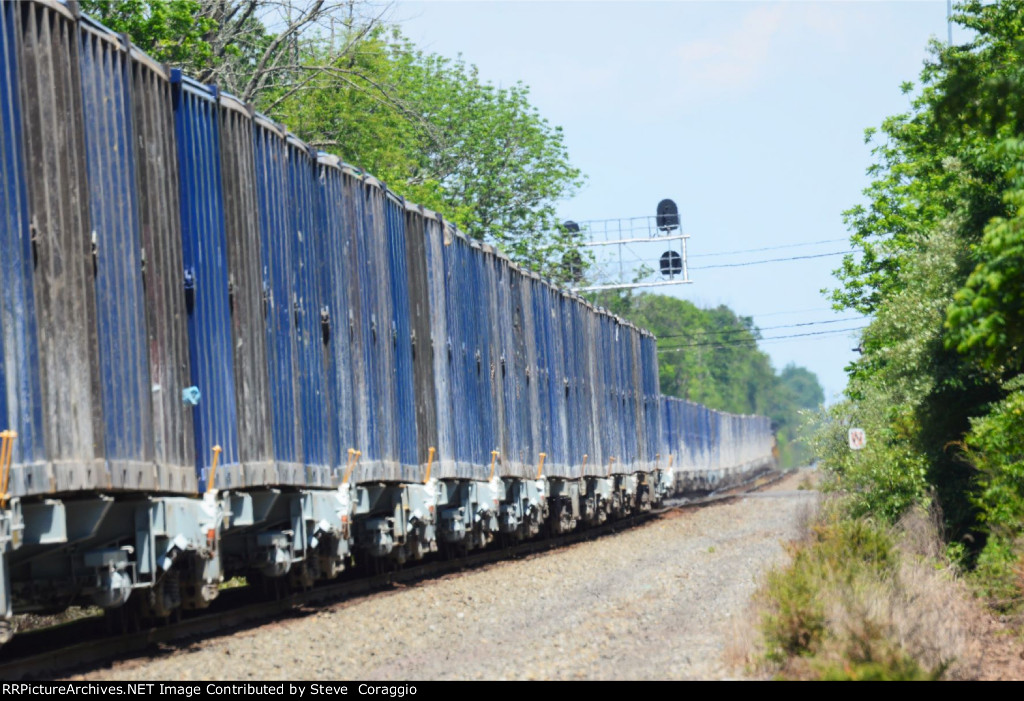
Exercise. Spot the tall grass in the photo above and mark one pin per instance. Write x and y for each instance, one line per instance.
(858, 600)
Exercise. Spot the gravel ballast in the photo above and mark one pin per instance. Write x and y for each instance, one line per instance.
(655, 602)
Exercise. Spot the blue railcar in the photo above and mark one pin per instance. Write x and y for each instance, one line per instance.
(21, 395)
(70, 455)
(403, 420)
(308, 307)
(340, 292)
(270, 154)
(116, 256)
(207, 294)
(245, 299)
(160, 227)
(437, 238)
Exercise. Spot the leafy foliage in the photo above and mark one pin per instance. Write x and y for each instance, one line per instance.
(434, 130)
(939, 267)
(171, 31)
(995, 445)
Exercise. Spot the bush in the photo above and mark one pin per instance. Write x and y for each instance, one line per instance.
(995, 446)
(860, 600)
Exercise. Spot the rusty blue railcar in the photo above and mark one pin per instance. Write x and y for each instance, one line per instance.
(270, 156)
(309, 307)
(206, 276)
(340, 315)
(251, 381)
(21, 395)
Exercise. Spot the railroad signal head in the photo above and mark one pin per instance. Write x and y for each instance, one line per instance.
(668, 215)
(671, 263)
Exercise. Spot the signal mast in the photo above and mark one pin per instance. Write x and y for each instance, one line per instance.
(623, 247)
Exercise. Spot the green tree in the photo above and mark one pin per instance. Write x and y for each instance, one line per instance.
(171, 31)
(940, 267)
(431, 128)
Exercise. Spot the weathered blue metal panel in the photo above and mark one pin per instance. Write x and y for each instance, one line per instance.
(21, 400)
(457, 296)
(652, 392)
(404, 418)
(592, 387)
(304, 237)
(542, 369)
(556, 387)
(245, 290)
(381, 458)
(478, 309)
(205, 276)
(361, 321)
(62, 256)
(420, 312)
(117, 259)
(605, 389)
(509, 367)
(156, 170)
(271, 170)
(438, 239)
(517, 395)
(339, 274)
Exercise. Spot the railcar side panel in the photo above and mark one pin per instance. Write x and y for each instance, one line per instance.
(117, 269)
(381, 457)
(160, 228)
(245, 298)
(399, 335)
(458, 296)
(437, 239)
(204, 253)
(480, 365)
(517, 364)
(304, 238)
(509, 368)
(338, 274)
(21, 397)
(422, 353)
(64, 271)
(270, 155)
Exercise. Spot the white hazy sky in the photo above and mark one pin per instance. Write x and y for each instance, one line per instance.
(750, 115)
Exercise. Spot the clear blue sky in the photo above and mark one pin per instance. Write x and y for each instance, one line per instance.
(750, 115)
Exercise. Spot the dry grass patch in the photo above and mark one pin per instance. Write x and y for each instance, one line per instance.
(860, 601)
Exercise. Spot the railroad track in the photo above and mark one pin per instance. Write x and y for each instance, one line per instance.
(43, 653)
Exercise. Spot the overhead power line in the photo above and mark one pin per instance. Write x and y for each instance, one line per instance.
(608, 265)
(766, 328)
(766, 248)
(768, 260)
(748, 341)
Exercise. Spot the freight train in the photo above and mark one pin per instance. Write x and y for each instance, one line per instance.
(225, 353)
